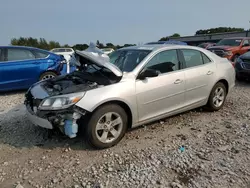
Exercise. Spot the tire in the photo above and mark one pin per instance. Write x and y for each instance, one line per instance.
(108, 135)
(239, 78)
(214, 102)
(47, 75)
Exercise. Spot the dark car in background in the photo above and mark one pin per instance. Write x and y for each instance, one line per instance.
(20, 67)
(242, 67)
(206, 45)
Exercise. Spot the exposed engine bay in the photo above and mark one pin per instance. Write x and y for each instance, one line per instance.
(50, 103)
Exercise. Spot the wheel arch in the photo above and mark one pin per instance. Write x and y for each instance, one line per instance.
(123, 105)
(45, 71)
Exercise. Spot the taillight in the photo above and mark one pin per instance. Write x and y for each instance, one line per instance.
(233, 63)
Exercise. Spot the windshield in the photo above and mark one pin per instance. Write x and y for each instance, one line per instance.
(127, 60)
(229, 42)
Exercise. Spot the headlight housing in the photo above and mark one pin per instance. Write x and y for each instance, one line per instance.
(61, 101)
(228, 53)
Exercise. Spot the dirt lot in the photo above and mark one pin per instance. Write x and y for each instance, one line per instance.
(215, 153)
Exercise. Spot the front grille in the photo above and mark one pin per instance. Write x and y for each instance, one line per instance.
(246, 65)
(31, 101)
(246, 60)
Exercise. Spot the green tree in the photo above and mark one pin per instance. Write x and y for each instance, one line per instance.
(175, 35)
(110, 45)
(218, 30)
(80, 47)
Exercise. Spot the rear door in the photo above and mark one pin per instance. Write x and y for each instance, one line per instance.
(19, 69)
(199, 76)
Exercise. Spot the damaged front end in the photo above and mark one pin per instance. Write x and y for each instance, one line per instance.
(55, 111)
(51, 103)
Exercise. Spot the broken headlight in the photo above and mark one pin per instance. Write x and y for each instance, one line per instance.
(61, 101)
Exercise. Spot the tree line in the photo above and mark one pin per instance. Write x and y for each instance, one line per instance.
(48, 45)
(206, 31)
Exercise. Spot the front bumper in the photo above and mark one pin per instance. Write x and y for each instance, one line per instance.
(37, 120)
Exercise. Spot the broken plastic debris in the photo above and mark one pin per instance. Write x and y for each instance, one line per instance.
(182, 148)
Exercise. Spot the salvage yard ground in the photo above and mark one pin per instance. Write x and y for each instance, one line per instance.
(216, 151)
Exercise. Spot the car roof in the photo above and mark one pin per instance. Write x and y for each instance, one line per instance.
(24, 47)
(27, 48)
(62, 48)
(155, 47)
(176, 42)
(237, 38)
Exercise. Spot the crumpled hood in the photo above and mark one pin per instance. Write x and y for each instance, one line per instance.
(222, 47)
(97, 57)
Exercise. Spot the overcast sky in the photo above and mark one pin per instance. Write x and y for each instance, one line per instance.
(116, 21)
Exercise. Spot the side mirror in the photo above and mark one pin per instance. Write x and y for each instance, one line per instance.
(148, 73)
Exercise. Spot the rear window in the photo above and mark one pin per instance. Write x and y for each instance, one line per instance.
(58, 50)
(69, 50)
(40, 54)
(62, 50)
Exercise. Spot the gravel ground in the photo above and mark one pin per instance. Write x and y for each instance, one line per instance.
(196, 149)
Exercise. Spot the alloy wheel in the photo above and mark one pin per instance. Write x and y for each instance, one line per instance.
(109, 127)
(48, 76)
(219, 97)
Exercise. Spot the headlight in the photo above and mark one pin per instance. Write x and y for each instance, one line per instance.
(61, 101)
(228, 53)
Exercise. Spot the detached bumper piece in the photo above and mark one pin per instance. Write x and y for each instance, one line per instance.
(37, 120)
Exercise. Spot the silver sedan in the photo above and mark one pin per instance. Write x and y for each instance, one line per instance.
(138, 85)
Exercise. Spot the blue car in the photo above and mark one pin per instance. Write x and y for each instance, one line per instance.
(20, 67)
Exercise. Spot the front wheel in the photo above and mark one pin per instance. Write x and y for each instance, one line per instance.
(47, 75)
(107, 126)
(217, 97)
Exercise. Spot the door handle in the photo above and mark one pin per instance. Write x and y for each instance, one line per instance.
(178, 81)
(209, 72)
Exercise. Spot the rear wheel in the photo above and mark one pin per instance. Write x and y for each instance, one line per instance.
(217, 97)
(107, 126)
(47, 75)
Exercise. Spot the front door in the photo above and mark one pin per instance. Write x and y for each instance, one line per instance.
(162, 94)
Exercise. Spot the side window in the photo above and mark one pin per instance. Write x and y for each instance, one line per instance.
(205, 58)
(166, 61)
(245, 43)
(40, 55)
(19, 54)
(192, 57)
